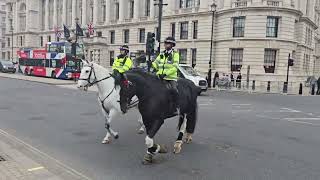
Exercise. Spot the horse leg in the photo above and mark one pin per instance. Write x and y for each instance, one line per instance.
(141, 130)
(182, 128)
(191, 123)
(152, 148)
(113, 113)
(107, 138)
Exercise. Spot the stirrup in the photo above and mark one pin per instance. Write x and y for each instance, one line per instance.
(177, 112)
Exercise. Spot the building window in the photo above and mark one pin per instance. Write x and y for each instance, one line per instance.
(21, 41)
(270, 56)
(99, 33)
(183, 56)
(308, 37)
(126, 35)
(111, 56)
(306, 63)
(3, 45)
(8, 40)
(49, 38)
(142, 34)
(104, 11)
(131, 8)
(195, 29)
(117, 11)
(112, 37)
(173, 30)
(181, 3)
(272, 26)
(194, 57)
(236, 59)
(147, 9)
(9, 55)
(184, 30)
(238, 26)
(189, 3)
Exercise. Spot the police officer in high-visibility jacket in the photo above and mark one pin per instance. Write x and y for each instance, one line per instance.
(121, 64)
(166, 66)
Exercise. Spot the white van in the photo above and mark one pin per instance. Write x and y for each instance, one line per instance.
(186, 71)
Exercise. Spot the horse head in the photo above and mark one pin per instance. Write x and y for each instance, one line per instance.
(86, 76)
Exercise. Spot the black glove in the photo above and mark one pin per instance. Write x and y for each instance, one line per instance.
(161, 76)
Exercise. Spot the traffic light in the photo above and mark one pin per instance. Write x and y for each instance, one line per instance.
(150, 43)
(290, 62)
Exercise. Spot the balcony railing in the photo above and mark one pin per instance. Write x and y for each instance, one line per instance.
(114, 21)
(273, 3)
(143, 18)
(240, 4)
(128, 20)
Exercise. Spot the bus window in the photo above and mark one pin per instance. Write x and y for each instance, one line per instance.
(47, 63)
(56, 48)
(56, 63)
(21, 62)
(70, 63)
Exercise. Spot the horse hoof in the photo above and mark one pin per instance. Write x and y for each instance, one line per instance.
(140, 131)
(147, 159)
(116, 136)
(106, 141)
(163, 149)
(188, 139)
(177, 147)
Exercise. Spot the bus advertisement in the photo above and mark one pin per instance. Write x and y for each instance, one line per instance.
(55, 61)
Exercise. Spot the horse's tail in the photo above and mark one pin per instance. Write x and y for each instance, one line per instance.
(192, 118)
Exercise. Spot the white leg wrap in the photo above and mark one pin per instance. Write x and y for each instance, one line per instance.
(149, 142)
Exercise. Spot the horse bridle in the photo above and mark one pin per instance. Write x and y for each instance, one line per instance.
(95, 80)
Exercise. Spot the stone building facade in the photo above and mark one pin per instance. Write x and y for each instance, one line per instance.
(255, 34)
(2, 28)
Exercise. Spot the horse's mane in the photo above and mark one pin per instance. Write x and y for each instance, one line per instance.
(146, 75)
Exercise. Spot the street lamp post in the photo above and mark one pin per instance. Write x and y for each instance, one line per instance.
(11, 28)
(213, 10)
(160, 4)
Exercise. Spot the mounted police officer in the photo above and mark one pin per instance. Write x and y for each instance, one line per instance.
(121, 64)
(166, 66)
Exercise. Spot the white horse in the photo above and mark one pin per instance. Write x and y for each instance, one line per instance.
(108, 95)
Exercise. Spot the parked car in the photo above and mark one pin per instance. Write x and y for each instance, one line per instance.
(7, 67)
(187, 71)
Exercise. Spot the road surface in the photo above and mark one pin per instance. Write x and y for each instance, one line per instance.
(238, 136)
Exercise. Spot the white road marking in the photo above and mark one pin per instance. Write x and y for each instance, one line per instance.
(36, 169)
(295, 119)
(303, 122)
(241, 104)
(289, 110)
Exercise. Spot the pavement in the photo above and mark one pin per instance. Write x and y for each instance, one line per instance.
(238, 136)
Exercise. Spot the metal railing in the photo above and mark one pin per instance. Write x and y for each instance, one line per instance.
(277, 87)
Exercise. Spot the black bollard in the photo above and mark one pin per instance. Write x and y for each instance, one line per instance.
(268, 87)
(300, 89)
(285, 87)
(253, 85)
(313, 89)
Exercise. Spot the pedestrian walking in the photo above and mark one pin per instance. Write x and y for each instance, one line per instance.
(215, 79)
(232, 79)
(238, 81)
(318, 84)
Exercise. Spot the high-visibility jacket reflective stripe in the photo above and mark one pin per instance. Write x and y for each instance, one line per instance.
(166, 66)
(118, 64)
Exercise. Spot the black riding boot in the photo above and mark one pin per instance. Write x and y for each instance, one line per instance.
(175, 96)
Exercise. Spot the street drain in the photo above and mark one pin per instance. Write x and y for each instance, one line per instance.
(2, 159)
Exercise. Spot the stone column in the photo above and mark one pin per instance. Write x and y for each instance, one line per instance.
(16, 15)
(64, 12)
(136, 9)
(74, 13)
(95, 11)
(152, 9)
(84, 13)
(46, 17)
(108, 4)
(121, 10)
(55, 14)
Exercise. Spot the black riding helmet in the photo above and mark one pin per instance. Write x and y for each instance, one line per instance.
(125, 47)
(170, 40)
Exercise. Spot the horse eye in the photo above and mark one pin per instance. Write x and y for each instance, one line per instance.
(87, 71)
